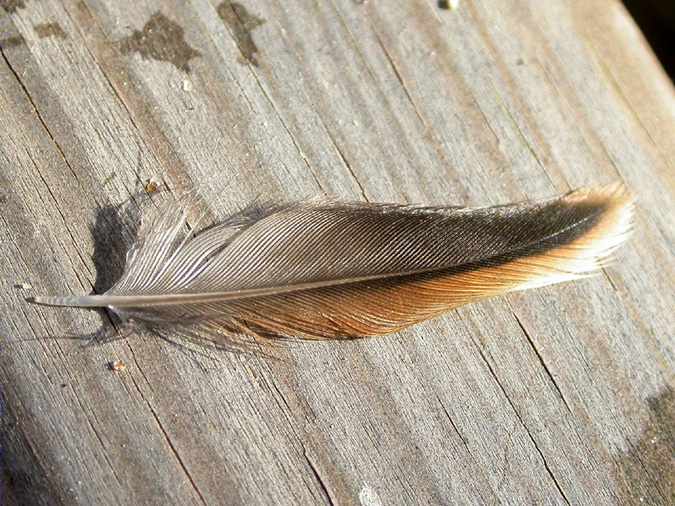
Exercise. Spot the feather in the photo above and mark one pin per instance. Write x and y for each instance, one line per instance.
(347, 270)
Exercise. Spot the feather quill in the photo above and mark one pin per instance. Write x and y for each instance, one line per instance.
(347, 270)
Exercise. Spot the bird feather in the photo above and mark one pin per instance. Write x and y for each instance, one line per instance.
(322, 270)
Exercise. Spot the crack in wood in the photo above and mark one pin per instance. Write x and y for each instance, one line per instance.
(37, 112)
(163, 431)
(271, 384)
(287, 129)
(454, 426)
(543, 363)
(319, 479)
(522, 423)
(399, 77)
(98, 437)
(345, 162)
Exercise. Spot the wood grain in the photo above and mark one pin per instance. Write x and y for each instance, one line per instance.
(560, 395)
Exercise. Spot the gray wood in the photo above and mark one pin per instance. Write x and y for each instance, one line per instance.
(557, 395)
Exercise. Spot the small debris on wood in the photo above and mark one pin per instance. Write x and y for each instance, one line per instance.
(117, 366)
(23, 286)
(187, 85)
(151, 185)
(450, 5)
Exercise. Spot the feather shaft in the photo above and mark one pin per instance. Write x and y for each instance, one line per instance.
(198, 298)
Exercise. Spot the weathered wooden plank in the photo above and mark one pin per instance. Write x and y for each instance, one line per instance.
(559, 395)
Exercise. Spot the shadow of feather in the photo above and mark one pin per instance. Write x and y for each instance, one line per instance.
(113, 232)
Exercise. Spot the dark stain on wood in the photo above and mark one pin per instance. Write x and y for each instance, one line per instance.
(42, 30)
(443, 4)
(241, 23)
(45, 30)
(650, 459)
(11, 42)
(162, 40)
(11, 6)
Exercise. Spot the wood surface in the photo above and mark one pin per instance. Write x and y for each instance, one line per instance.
(561, 395)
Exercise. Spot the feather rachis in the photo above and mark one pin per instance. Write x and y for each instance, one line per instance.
(321, 270)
